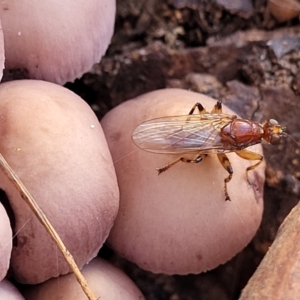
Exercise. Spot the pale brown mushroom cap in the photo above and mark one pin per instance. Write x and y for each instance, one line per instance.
(5, 242)
(2, 54)
(9, 292)
(54, 40)
(178, 222)
(55, 144)
(106, 281)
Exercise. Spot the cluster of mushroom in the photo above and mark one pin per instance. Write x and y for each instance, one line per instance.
(55, 144)
(177, 223)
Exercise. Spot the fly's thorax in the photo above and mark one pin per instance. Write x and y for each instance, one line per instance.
(242, 133)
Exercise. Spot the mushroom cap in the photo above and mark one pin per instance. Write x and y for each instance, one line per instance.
(9, 292)
(106, 281)
(178, 222)
(5, 242)
(2, 56)
(59, 41)
(284, 10)
(278, 275)
(55, 144)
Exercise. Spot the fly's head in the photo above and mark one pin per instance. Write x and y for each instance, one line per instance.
(273, 132)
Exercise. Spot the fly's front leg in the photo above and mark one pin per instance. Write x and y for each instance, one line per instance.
(227, 166)
(249, 155)
(196, 160)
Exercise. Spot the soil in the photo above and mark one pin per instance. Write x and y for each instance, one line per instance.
(235, 51)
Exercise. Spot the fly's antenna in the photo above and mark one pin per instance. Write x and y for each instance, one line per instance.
(285, 134)
(288, 135)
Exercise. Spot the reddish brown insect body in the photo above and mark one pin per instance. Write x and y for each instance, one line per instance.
(206, 133)
(241, 133)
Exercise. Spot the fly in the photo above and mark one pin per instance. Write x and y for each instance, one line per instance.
(207, 133)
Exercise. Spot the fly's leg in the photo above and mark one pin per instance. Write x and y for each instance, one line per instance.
(201, 109)
(227, 166)
(196, 160)
(217, 108)
(249, 155)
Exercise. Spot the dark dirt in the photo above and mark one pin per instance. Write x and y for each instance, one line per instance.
(231, 50)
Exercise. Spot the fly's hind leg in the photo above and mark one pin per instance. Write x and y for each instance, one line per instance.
(201, 109)
(196, 160)
(249, 155)
(227, 166)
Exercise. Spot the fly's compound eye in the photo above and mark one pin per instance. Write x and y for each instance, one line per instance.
(273, 122)
(275, 139)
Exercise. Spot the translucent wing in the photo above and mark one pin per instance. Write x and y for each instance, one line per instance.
(182, 134)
